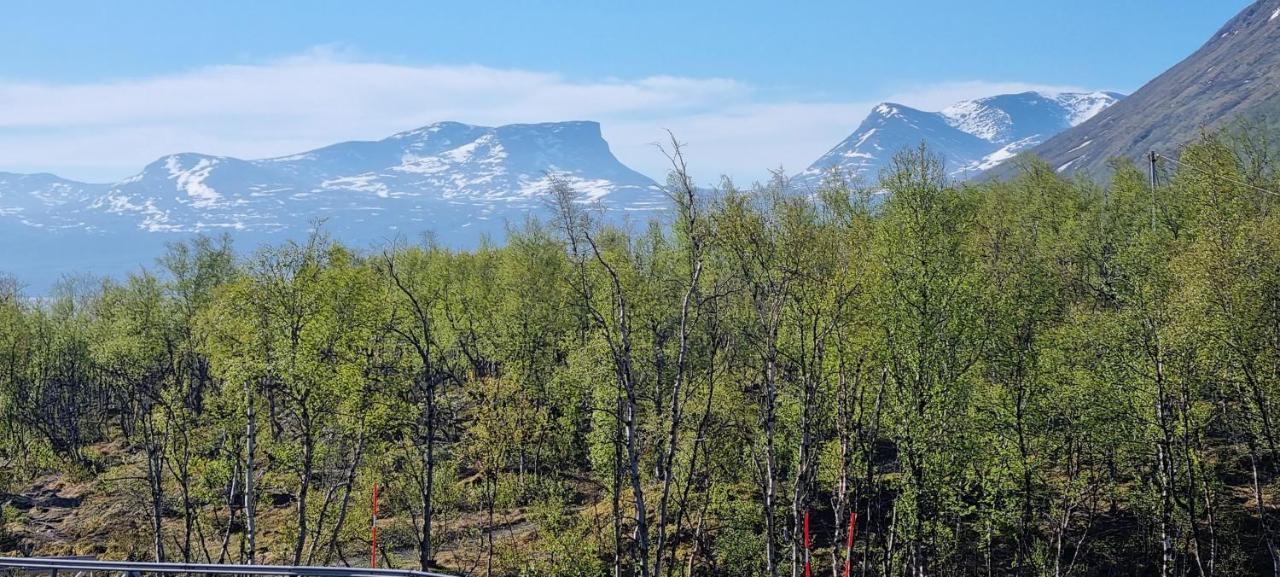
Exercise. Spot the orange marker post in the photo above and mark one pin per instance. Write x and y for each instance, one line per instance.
(806, 545)
(853, 530)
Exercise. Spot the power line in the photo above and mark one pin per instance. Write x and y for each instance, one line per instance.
(1212, 174)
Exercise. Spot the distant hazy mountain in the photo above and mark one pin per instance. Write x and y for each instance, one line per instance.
(456, 180)
(1236, 75)
(972, 136)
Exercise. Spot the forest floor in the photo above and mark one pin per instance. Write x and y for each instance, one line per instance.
(106, 516)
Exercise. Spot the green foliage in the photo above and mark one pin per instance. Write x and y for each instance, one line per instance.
(1034, 377)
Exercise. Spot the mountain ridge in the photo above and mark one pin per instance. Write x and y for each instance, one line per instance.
(971, 135)
(441, 162)
(460, 182)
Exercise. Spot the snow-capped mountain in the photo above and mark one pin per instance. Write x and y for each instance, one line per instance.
(466, 174)
(972, 136)
(47, 202)
(458, 181)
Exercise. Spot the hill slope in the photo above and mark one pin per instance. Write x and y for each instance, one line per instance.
(1236, 75)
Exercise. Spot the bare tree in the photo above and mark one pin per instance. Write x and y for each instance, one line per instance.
(615, 324)
(419, 332)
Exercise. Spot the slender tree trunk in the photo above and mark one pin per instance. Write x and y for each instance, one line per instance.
(154, 450)
(181, 470)
(321, 517)
(1024, 454)
(492, 490)
(800, 496)
(1164, 458)
(155, 472)
(632, 443)
(667, 465)
(616, 495)
(231, 512)
(250, 497)
(304, 488)
(343, 507)
(426, 557)
(770, 466)
(842, 503)
(1260, 503)
(188, 509)
(699, 446)
(1192, 490)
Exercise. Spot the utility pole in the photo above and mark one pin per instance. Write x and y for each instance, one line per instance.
(1153, 157)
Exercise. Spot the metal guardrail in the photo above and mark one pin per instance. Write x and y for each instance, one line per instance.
(53, 566)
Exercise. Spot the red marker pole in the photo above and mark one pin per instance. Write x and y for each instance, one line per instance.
(373, 539)
(806, 544)
(853, 530)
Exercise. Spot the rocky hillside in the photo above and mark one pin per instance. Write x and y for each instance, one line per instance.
(1236, 75)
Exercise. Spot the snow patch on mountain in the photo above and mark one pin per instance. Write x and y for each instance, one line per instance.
(1082, 107)
(458, 181)
(1006, 152)
(1081, 146)
(361, 183)
(972, 136)
(975, 117)
(191, 180)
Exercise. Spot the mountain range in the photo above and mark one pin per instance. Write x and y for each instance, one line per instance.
(477, 172)
(457, 181)
(463, 183)
(971, 136)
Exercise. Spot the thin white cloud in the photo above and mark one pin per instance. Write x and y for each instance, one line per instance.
(938, 96)
(107, 130)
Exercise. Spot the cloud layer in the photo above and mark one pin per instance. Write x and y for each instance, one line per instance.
(107, 130)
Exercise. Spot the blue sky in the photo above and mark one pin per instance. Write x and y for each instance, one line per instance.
(95, 90)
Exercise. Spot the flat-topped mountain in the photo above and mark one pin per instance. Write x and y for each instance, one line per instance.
(475, 172)
(459, 181)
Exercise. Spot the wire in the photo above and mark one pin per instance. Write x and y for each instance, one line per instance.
(1218, 176)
